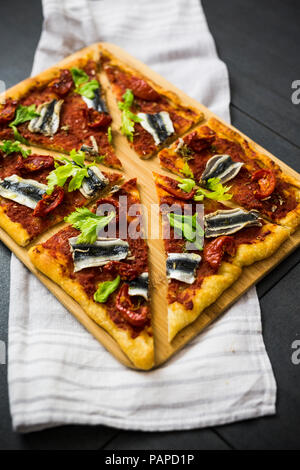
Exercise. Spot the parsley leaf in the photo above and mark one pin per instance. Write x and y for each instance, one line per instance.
(186, 170)
(88, 223)
(188, 226)
(128, 99)
(78, 157)
(185, 151)
(23, 114)
(109, 135)
(79, 76)
(105, 289)
(216, 191)
(186, 184)
(88, 89)
(10, 146)
(128, 118)
(18, 136)
(83, 86)
(74, 169)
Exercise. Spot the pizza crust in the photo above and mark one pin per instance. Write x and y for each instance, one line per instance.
(140, 350)
(211, 288)
(79, 58)
(14, 229)
(256, 251)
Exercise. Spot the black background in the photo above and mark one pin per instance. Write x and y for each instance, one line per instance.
(259, 40)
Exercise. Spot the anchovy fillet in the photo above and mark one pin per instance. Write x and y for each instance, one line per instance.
(182, 266)
(48, 121)
(159, 125)
(222, 167)
(139, 286)
(99, 253)
(23, 191)
(97, 102)
(226, 222)
(94, 183)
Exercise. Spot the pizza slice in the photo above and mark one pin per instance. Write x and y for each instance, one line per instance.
(62, 109)
(216, 153)
(38, 191)
(101, 261)
(151, 115)
(206, 247)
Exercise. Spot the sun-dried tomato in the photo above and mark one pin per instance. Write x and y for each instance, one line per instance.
(136, 316)
(49, 202)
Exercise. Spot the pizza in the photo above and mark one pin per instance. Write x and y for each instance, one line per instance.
(151, 116)
(229, 206)
(256, 182)
(198, 273)
(106, 275)
(38, 191)
(62, 109)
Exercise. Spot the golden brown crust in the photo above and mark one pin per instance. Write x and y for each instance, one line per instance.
(211, 288)
(140, 350)
(249, 253)
(78, 59)
(15, 230)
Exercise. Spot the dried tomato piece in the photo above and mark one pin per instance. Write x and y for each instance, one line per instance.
(62, 84)
(8, 111)
(197, 143)
(49, 202)
(214, 251)
(134, 316)
(142, 89)
(266, 182)
(35, 163)
(178, 192)
(96, 119)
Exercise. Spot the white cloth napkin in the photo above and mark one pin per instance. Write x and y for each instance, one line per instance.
(57, 372)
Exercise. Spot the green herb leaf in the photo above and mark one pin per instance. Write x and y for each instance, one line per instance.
(18, 136)
(23, 114)
(105, 289)
(10, 146)
(88, 223)
(109, 135)
(186, 184)
(188, 226)
(74, 169)
(216, 191)
(128, 118)
(79, 76)
(88, 89)
(78, 156)
(100, 158)
(185, 151)
(128, 99)
(186, 170)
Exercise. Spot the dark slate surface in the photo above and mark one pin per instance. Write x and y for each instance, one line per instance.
(259, 41)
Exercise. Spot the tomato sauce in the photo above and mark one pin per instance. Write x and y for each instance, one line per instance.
(143, 142)
(24, 215)
(276, 206)
(89, 278)
(74, 129)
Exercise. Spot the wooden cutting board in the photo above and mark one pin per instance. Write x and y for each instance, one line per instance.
(142, 169)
